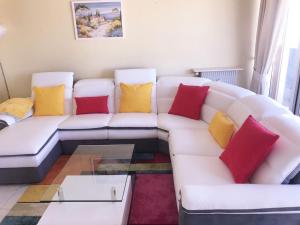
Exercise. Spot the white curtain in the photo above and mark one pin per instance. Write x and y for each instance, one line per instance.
(270, 32)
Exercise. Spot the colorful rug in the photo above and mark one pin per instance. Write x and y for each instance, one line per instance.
(153, 200)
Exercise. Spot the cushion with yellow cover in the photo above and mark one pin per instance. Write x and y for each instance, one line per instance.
(16, 107)
(49, 101)
(135, 98)
(222, 129)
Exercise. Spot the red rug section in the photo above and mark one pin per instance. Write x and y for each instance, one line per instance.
(56, 168)
(153, 201)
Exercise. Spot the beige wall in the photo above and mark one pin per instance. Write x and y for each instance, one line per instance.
(170, 35)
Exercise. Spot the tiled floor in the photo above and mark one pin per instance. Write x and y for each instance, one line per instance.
(9, 194)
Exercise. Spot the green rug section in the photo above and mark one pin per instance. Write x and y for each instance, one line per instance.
(136, 168)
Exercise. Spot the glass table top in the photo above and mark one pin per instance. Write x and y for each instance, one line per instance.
(93, 173)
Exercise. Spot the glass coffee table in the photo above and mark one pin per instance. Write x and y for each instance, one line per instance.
(94, 187)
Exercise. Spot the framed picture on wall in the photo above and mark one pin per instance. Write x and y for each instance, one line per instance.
(98, 19)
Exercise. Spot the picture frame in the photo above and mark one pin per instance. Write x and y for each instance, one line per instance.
(98, 19)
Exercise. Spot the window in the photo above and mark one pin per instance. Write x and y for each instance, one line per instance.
(288, 85)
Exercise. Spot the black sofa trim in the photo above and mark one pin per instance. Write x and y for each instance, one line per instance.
(141, 145)
(111, 128)
(29, 155)
(3, 124)
(163, 130)
(274, 216)
(84, 129)
(283, 209)
(30, 174)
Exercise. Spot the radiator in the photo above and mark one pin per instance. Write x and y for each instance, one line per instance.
(226, 75)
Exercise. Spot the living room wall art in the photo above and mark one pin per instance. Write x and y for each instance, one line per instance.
(98, 19)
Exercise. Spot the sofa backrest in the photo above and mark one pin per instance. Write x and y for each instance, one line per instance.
(258, 106)
(96, 87)
(232, 90)
(284, 161)
(135, 76)
(47, 79)
(214, 102)
(167, 88)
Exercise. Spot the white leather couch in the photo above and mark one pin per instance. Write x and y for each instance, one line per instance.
(205, 190)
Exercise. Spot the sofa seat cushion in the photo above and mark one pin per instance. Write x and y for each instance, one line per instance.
(251, 198)
(31, 133)
(199, 170)
(133, 126)
(36, 137)
(85, 127)
(86, 122)
(193, 142)
(133, 120)
(168, 122)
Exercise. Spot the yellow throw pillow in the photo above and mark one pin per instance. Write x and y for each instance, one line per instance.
(17, 107)
(222, 129)
(49, 101)
(135, 98)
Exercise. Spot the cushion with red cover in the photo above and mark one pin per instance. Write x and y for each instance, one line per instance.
(188, 101)
(89, 105)
(248, 149)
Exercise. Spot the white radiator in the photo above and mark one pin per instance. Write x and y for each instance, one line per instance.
(226, 75)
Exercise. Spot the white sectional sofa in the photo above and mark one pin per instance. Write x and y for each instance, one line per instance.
(205, 190)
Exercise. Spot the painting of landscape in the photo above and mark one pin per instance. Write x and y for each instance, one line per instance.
(94, 19)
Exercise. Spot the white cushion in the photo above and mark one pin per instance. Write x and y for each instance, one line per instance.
(163, 135)
(239, 112)
(264, 106)
(228, 197)
(258, 106)
(32, 133)
(133, 120)
(193, 142)
(167, 88)
(232, 90)
(135, 76)
(199, 170)
(85, 127)
(285, 157)
(168, 122)
(96, 87)
(87, 121)
(53, 79)
(214, 102)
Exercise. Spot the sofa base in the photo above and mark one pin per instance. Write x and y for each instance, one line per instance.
(27, 175)
(140, 145)
(286, 216)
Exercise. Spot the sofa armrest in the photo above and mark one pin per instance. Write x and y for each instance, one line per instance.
(241, 197)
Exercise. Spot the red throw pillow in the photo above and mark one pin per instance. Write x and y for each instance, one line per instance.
(189, 100)
(88, 105)
(248, 149)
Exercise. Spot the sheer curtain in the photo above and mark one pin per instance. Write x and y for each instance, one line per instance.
(270, 34)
